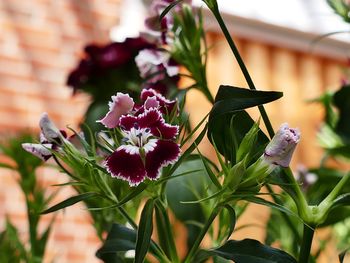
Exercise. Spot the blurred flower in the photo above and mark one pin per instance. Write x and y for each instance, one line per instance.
(280, 150)
(305, 178)
(154, 65)
(101, 58)
(149, 145)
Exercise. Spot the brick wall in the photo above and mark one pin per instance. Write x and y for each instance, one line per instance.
(40, 42)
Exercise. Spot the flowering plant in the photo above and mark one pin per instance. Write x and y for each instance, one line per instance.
(144, 163)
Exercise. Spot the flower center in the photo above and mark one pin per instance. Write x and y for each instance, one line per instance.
(137, 137)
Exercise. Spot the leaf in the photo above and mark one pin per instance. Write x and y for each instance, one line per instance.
(342, 200)
(168, 8)
(249, 250)
(165, 232)
(119, 239)
(228, 123)
(230, 99)
(144, 232)
(341, 100)
(342, 256)
(69, 202)
(228, 130)
(232, 219)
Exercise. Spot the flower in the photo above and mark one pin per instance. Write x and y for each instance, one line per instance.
(121, 104)
(148, 146)
(155, 65)
(280, 150)
(50, 139)
(101, 58)
(153, 99)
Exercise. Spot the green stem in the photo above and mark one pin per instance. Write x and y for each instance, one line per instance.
(298, 196)
(327, 202)
(201, 235)
(215, 10)
(284, 215)
(306, 244)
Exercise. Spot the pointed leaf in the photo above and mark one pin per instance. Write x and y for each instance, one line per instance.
(68, 202)
(144, 232)
(249, 250)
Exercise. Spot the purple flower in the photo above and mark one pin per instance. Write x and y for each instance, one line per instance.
(148, 146)
(121, 104)
(280, 150)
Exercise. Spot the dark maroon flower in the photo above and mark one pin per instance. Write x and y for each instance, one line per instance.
(80, 75)
(149, 146)
(111, 55)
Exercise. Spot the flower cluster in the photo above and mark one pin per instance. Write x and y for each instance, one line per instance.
(148, 142)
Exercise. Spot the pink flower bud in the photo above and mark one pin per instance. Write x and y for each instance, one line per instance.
(280, 150)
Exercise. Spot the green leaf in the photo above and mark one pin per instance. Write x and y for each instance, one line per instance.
(230, 99)
(68, 202)
(232, 219)
(168, 8)
(119, 239)
(228, 123)
(341, 100)
(144, 232)
(165, 232)
(249, 250)
(227, 132)
(342, 200)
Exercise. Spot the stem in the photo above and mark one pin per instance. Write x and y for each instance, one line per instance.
(306, 244)
(327, 202)
(201, 235)
(298, 196)
(284, 215)
(214, 8)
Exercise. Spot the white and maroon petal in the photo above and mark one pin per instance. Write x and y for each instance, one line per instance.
(126, 166)
(120, 105)
(153, 119)
(127, 122)
(165, 153)
(166, 106)
(39, 150)
(50, 132)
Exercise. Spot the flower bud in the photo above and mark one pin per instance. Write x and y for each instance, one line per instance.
(280, 150)
(51, 133)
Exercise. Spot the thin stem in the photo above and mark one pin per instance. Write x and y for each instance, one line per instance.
(201, 235)
(306, 244)
(215, 10)
(327, 202)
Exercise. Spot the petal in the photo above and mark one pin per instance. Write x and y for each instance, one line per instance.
(126, 166)
(39, 150)
(127, 122)
(153, 119)
(151, 102)
(165, 152)
(166, 106)
(121, 104)
(49, 130)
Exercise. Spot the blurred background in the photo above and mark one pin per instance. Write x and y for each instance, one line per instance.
(41, 41)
